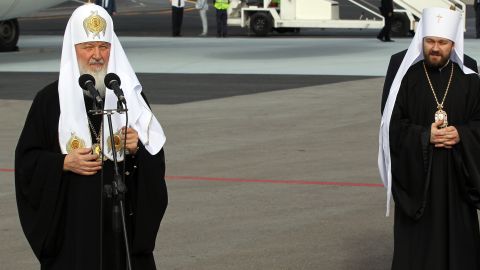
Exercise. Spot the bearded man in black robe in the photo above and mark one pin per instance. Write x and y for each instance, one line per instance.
(429, 155)
(64, 211)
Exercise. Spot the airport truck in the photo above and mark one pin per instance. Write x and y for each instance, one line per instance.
(264, 16)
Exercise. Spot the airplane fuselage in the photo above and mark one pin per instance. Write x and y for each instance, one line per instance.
(9, 11)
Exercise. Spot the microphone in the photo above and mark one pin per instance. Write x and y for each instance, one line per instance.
(113, 82)
(87, 82)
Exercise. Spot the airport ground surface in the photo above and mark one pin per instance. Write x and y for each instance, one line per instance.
(271, 148)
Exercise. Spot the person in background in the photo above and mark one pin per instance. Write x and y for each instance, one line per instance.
(177, 17)
(386, 9)
(221, 7)
(476, 6)
(202, 7)
(108, 5)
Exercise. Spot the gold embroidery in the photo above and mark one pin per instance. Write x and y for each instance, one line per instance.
(75, 142)
(95, 24)
(118, 143)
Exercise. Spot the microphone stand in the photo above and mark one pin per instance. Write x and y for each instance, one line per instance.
(96, 111)
(116, 191)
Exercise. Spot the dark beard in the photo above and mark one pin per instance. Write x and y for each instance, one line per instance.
(440, 64)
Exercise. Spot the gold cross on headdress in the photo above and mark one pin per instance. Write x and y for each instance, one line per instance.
(439, 17)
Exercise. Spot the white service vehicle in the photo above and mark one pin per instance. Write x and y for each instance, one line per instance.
(263, 16)
(9, 11)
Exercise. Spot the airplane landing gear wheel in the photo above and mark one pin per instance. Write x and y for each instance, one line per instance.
(8, 35)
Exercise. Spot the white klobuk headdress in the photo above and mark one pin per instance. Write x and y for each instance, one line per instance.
(436, 22)
(89, 23)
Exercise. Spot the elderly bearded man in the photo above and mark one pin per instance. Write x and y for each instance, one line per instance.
(429, 145)
(58, 176)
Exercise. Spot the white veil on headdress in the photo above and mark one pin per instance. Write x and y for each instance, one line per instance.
(90, 22)
(437, 22)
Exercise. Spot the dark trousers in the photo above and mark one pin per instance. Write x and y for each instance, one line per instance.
(477, 20)
(177, 18)
(385, 32)
(221, 22)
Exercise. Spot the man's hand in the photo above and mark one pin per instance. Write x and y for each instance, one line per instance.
(445, 137)
(132, 139)
(82, 161)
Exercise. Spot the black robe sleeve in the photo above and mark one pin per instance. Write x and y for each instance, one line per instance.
(151, 198)
(410, 152)
(38, 174)
(149, 202)
(467, 152)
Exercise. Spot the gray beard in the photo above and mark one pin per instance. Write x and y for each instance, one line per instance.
(99, 77)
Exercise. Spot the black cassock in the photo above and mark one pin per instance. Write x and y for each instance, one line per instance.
(436, 190)
(60, 211)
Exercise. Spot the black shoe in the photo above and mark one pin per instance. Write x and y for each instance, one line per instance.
(379, 38)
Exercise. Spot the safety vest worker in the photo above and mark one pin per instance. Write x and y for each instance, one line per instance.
(221, 4)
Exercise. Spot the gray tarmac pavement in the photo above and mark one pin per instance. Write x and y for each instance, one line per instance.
(318, 134)
(177, 88)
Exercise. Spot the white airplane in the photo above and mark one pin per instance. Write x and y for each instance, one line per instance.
(9, 11)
